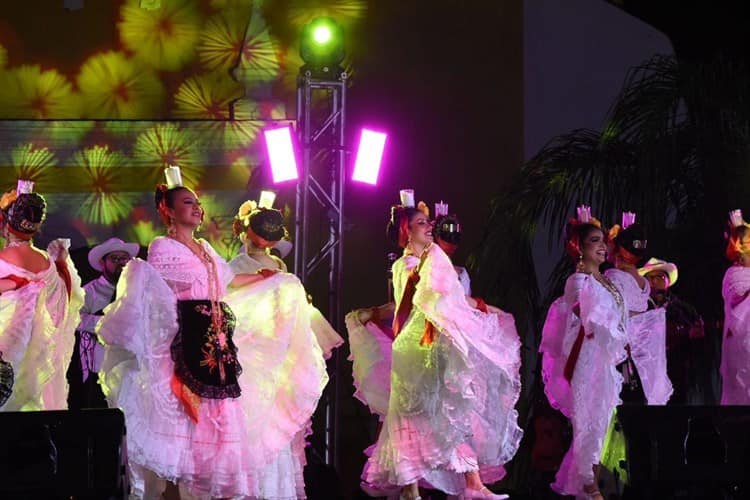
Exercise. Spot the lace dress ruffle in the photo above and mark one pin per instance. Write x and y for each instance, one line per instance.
(370, 349)
(210, 458)
(282, 380)
(37, 325)
(735, 352)
(451, 407)
(328, 338)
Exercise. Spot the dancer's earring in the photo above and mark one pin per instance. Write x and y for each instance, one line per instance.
(579, 266)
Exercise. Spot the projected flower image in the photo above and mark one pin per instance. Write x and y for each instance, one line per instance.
(163, 38)
(113, 86)
(99, 171)
(30, 92)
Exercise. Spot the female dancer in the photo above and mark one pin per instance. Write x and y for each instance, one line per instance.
(454, 376)
(282, 346)
(260, 229)
(587, 334)
(40, 295)
(735, 372)
(447, 234)
(171, 362)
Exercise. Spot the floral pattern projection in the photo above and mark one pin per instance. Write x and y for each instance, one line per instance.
(93, 115)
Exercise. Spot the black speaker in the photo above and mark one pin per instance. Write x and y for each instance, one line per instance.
(688, 447)
(63, 454)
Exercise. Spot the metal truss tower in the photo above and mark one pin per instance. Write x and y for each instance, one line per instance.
(319, 220)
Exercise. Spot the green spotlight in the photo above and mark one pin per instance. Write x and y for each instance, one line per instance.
(322, 46)
(322, 34)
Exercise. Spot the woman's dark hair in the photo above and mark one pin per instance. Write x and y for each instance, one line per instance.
(398, 227)
(164, 198)
(575, 234)
(26, 214)
(634, 240)
(268, 223)
(448, 229)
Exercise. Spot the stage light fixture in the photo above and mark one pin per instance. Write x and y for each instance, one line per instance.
(266, 199)
(281, 154)
(369, 156)
(322, 46)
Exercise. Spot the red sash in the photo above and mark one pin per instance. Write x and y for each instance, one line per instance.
(575, 351)
(62, 270)
(407, 304)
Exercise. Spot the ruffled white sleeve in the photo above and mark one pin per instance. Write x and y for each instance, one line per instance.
(476, 346)
(371, 358)
(328, 338)
(440, 296)
(646, 336)
(647, 339)
(63, 305)
(560, 329)
(137, 330)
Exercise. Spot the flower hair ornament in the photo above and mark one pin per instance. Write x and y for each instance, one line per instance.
(737, 233)
(243, 213)
(7, 199)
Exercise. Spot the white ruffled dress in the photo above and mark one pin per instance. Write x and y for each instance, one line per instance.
(230, 451)
(328, 338)
(283, 347)
(210, 458)
(37, 325)
(590, 397)
(735, 350)
(447, 407)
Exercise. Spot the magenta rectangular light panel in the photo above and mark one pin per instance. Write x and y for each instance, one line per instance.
(369, 154)
(281, 154)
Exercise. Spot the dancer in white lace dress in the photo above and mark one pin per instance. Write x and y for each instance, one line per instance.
(171, 363)
(735, 369)
(40, 295)
(588, 333)
(449, 420)
(287, 344)
(261, 229)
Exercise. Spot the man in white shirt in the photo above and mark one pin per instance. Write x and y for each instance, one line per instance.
(109, 258)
